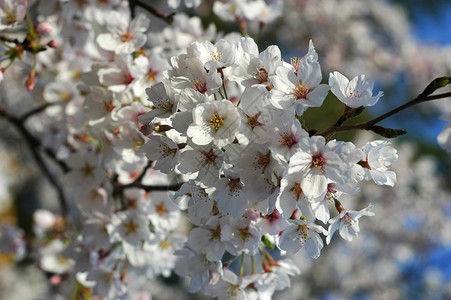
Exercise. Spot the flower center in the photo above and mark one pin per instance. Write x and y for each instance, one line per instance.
(215, 234)
(128, 78)
(166, 151)
(87, 170)
(161, 209)
(262, 75)
(216, 121)
(303, 232)
(301, 90)
(200, 86)
(165, 244)
(244, 234)
(126, 37)
(262, 161)
(216, 55)
(130, 228)
(209, 157)
(235, 186)
(252, 121)
(354, 93)
(151, 74)
(288, 139)
(318, 162)
(297, 191)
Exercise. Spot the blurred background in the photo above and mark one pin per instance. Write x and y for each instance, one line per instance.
(404, 252)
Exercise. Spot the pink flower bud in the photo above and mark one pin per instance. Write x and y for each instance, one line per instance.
(43, 28)
(53, 44)
(55, 280)
(30, 82)
(252, 214)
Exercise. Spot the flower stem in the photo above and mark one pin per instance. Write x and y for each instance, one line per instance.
(242, 265)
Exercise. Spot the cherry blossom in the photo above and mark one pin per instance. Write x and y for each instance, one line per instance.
(354, 93)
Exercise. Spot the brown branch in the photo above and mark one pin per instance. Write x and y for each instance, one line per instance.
(34, 144)
(167, 18)
(148, 188)
(39, 109)
(367, 125)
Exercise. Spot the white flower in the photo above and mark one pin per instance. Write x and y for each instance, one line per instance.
(347, 223)
(263, 13)
(355, 93)
(240, 235)
(152, 67)
(288, 134)
(163, 247)
(163, 151)
(162, 212)
(207, 239)
(317, 163)
(163, 99)
(379, 156)
(272, 223)
(219, 55)
(298, 87)
(206, 160)
(12, 12)
(100, 105)
(188, 3)
(85, 172)
(124, 36)
(231, 196)
(256, 116)
(216, 122)
(302, 234)
(128, 227)
(292, 196)
(107, 283)
(53, 258)
(195, 265)
(444, 138)
(189, 72)
(229, 11)
(122, 76)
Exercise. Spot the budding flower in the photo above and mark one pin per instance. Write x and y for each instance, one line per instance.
(43, 28)
(53, 44)
(30, 82)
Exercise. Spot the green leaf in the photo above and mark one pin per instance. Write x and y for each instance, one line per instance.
(436, 84)
(387, 132)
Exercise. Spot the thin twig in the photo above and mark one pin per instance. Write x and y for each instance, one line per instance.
(167, 18)
(365, 126)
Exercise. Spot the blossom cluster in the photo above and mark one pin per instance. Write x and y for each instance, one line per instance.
(129, 114)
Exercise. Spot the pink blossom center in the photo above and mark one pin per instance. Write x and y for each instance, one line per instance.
(301, 90)
(200, 86)
(318, 161)
(262, 75)
(252, 121)
(288, 139)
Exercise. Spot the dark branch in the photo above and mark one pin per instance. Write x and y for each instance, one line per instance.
(34, 145)
(367, 125)
(167, 18)
(149, 188)
(34, 111)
